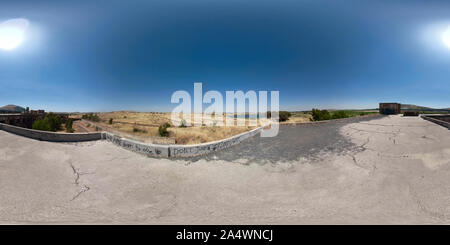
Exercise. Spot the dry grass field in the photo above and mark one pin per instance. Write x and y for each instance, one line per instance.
(298, 117)
(143, 126)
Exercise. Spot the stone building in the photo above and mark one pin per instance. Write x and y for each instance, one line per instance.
(26, 118)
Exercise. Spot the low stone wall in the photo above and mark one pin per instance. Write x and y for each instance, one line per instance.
(150, 150)
(205, 148)
(50, 136)
(438, 119)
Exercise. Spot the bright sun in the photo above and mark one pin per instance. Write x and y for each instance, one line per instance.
(12, 33)
(446, 37)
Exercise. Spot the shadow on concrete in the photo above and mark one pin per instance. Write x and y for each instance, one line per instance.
(307, 141)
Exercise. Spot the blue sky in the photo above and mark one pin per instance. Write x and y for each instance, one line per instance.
(132, 55)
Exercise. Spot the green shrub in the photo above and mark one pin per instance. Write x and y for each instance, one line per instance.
(41, 124)
(110, 121)
(320, 115)
(54, 121)
(95, 118)
(138, 130)
(284, 116)
(340, 114)
(162, 130)
(183, 124)
(69, 124)
(91, 117)
(51, 122)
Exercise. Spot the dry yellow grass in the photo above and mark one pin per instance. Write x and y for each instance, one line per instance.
(143, 126)
(141, 118)
(298, 118)
(196, 135)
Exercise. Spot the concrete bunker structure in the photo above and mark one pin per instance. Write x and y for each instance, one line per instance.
(390, 108)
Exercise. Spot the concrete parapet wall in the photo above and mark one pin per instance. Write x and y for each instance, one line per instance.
(159, 150)
(205, 148)
(154, 150)
(435, 119)
(443, 117)
(50, 136)
(150, 150)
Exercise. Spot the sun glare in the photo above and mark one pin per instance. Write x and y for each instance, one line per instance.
(446, 37)
(12, 33)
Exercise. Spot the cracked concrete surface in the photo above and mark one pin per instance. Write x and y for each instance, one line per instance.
(78, 174)
(388, 170)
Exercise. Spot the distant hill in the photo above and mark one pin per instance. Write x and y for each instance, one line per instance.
(11, 109)
(415, 107)
(421, 108)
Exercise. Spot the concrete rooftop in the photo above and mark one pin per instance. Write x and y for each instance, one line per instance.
(388, 170)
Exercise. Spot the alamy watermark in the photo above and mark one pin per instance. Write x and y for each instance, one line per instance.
(240, 109)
